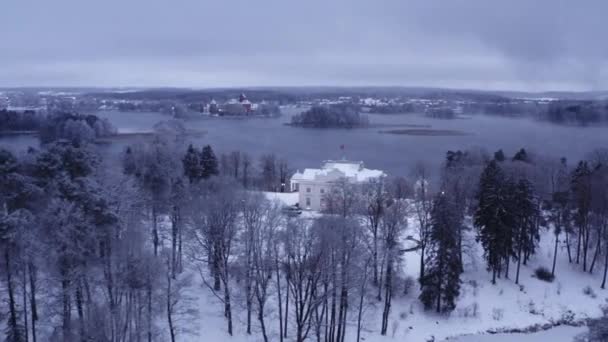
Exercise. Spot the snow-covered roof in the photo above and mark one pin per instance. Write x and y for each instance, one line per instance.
(335, 169)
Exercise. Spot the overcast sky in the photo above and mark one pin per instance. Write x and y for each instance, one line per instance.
(486, 44)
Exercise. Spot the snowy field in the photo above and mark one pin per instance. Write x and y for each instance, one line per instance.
(557, 334)
(482, 308)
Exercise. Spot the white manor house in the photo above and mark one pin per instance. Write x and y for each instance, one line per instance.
(313, 184)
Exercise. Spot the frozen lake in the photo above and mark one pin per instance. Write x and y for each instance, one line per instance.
(306, 147)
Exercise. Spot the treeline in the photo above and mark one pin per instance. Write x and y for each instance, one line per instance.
(400, 108)
(576, 112)
(440, 113)
(60, 125)
(333, 116)
(75, 127)
(504, 107)
(566, 112)
(20, 121)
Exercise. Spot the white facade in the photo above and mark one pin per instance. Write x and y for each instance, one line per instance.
(313, 184)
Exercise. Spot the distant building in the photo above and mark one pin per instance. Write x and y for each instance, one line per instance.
(313, 184)
(3, 102)
(239, 106)
(213, 107)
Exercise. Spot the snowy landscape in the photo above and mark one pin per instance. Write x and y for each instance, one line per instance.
(303, 171)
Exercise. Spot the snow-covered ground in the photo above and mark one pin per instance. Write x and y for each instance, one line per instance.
(481, 307)
(557, 334)
(286, 198)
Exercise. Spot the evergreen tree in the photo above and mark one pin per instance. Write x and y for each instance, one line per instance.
(192, 164)
(209, 163)
(129, 165)
(499, 156)
(524, 212)
(521, 156)
(441, 282)
(581, 196)
(492, 218)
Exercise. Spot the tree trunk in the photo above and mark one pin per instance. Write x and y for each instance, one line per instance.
(174, 228)
(169, 308)
(578, 244)
(179, 249)
(597, 249)
(361, 297)
(585, 247)
(155, 239)
(375, 256)
(33, 307)
(280, 299)
(227, 306)
(66, 305)
(286, 307)
(555, 255)
(332, 318)
(387, 295)
(568, 247)
(149, 307)
(248, 294)
(605, 268)
(80, 310)
(518, 263)
(216, 267)
(422, 248)
(13, 324)
(24, 297)
(261, 319)
(460, 259)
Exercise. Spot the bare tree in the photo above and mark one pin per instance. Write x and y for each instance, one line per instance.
(246, 170)
(422, 207)
(374, 202)
(303, 264)
(393, 226)
(215, 233)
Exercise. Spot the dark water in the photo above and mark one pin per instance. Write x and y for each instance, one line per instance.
(305, 147)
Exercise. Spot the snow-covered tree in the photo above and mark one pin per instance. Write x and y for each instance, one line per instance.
(441, 283)
(492, 218)
(209, 164)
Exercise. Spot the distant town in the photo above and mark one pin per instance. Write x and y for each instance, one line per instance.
(568, 108)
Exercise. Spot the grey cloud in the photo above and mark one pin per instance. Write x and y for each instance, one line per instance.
(522, 44)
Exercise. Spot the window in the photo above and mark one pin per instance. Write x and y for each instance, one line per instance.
(308, 201)
(307, 189)
(322, 190)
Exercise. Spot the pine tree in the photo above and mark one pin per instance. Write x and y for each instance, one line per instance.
(499, 156)
(209, 163)
(521, 156)
(524, 212)
(581, 195)
(492, 218)
(441, 282)
(192, 164)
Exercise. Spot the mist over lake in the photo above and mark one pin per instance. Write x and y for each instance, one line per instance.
(394, 153)
(306, 147)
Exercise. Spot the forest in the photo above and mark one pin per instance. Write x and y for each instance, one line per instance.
(98, 249)
(55, 126)
(332, 116)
